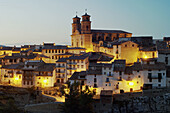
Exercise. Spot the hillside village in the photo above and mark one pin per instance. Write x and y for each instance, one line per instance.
(104, 60)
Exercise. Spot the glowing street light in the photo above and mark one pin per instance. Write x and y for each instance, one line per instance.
(45, 81)
(145, 57)
(131, 83)
(16, 78)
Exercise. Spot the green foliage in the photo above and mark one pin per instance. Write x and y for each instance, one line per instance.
(77, 100)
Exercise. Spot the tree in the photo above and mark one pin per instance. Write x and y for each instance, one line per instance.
(76, 99)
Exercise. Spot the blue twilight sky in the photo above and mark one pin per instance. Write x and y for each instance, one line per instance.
(38, 21)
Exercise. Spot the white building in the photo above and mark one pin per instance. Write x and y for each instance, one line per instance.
(121, 78)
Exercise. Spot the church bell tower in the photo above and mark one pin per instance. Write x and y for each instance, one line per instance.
(86, 24)
(76, 25)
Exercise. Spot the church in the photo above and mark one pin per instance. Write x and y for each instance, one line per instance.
(118, 43)
(83, 35)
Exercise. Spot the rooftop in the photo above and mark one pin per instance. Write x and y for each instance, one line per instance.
(108, 31)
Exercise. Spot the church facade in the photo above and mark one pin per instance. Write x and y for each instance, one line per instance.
(84, 36)
(118, 43)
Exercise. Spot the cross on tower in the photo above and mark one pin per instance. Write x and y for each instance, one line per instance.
(85, 10)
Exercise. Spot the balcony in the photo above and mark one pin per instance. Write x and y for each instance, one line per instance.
(71, 68)
(60, 71)
(44, 75)
(110, 75)
(154, 77)
(18, 72)
(5, 76)
(60, 66)
(10, 72)
(107, 80)
(71, 63)
(60, 77)
(129, 79)
(82, 77)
